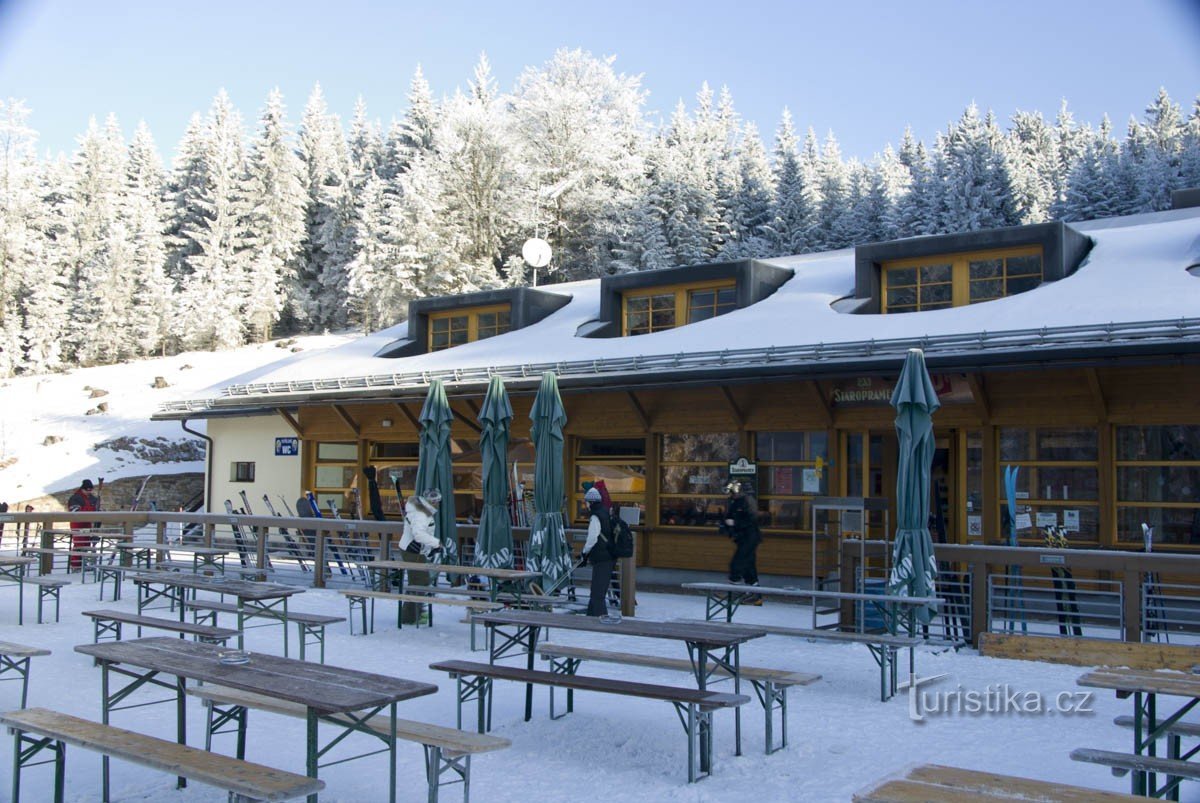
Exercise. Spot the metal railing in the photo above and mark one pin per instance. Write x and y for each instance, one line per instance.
(1089, 335)
(1170, 612)
(1064, 606)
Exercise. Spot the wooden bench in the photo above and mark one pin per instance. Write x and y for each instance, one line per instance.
(770, 685)
(933, 783)
(108, 623)
(311, 626)
(1089, 651)
(15, 658)
(243, 780)
(48, 588)
(1175, 769)
(447, 750)
(694, 707)
(360, 599)
(883, 647)
(541, 601)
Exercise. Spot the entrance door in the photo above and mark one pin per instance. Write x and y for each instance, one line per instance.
(943, 490)
(868, 460)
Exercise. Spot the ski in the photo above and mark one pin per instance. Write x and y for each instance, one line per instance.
(293, 547)
(258, 533)
(237, 535)
(316, 509)
(138, 498)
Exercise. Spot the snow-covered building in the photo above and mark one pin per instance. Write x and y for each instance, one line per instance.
(1071, 351)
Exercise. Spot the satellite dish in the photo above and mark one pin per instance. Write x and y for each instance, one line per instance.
(536, 252)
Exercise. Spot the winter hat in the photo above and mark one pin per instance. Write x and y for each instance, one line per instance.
(592, 495)
(86, 485)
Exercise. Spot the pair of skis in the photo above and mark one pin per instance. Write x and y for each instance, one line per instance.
(1067, 606)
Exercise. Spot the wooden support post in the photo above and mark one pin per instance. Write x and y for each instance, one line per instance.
(291, 421)
(1131, 604)
(739, 418)
(408, 414)
(638, 410)
(979, 394)
(979, 576)
(820, 402)
(319, 560)
(346, 419)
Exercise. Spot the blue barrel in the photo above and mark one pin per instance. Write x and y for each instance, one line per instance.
(869, 614)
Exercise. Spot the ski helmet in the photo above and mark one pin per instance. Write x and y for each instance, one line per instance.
(592, 495)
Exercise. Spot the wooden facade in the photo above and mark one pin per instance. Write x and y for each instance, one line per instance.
(850, 416)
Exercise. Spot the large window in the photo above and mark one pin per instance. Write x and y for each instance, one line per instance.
(792, 468)
(1058, 481)
(1158, 483)
(693, 470)
(955, 280)
(661, 308)
(449, 329)
(335, 476)
(620, 462)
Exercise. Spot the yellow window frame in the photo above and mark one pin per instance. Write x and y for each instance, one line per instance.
(681, 293)
(961, 278)
(472, 315)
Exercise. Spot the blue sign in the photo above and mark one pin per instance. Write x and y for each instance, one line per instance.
(287, 447)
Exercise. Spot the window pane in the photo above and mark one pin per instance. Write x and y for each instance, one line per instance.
(936, 273)
(714, 447)
(702, 298)
(662, 319)
(986, 290)
(440, 341)
(638, 321)
(663, 302)
(1023, 266)
(1158, 443)
(727, 296)
(900, 277)
(1022, 284)
(487, 320)
(700, 314)
(694, 479)
(337, 451)
(936, 294)
(785, 514)
(703, 511)
(986, 269)
(781, 446)
(503, 320)
(789, 480)
(1067, 483)
(901, 296)
(393, 451)
(1067, 444)
(458, 337)
(1158, 484)
(974, 473)
(619, 478)
(334, 476)
(440, 325)
(612, 447)
(1172, 525)
(1014, 444)
(638, 304)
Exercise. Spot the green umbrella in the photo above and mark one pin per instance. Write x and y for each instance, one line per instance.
(433, 468)
(548, 550)
(914, 567)
(494, 543)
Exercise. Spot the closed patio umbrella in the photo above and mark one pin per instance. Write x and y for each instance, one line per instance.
(433, 467)
(914, 567)
(548, 550)
(494, 543)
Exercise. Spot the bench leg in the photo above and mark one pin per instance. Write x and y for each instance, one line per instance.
(563, 666)
(25, 748)
(438, 764)
(218, 717)
(479, 689)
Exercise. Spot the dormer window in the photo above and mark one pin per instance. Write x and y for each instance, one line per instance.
(456, 327)
(661, 308)
(956, 280)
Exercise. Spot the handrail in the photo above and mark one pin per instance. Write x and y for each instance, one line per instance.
(1168, 330)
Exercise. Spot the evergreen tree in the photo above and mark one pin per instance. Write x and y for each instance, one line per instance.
(184, 191)
(751, 208)
(1033, 156)
(793, 197)
(832, 228)
(378, 289)
(976, 184)
(413, 136)
(145, 214)
(1154, 150)
(1189, 163)
(1094, 185)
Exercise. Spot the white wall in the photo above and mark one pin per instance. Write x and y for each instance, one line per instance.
(252, 439)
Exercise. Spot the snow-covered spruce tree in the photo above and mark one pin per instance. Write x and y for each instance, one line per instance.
(891, 182)
(378, 288)
(101, 282)
(22, 240)
(751, 208)
(1070, 141)
(365, 147)
(1152, 153)
(579, 128)
(411, 136)
(426, 251)
(1033, 157)
(685, 189)
(44, 302)
(275, 223)
(329, 216)
(833, 176)
(793, 212)
(185, 188)
(211, 312)
(916, 211)
(1094, 184)
(1189, 163)
(976, 184)
(144, 212)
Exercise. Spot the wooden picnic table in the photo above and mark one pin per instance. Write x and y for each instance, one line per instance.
(511, 581)
(1149, 725)
(254, 599)
(325, 691)
(12, 570)
(711, 649)
(725, 598)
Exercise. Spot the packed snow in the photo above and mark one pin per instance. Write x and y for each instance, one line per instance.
(841, 738)
(39, 406)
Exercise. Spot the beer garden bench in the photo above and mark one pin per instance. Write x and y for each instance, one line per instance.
(360, 599)
(932, 783)
(37, 729)
(107, 624)
(770, 685)
(447, 750)
(693, 706)
(311, 626)
(48, 588)
(15, 658)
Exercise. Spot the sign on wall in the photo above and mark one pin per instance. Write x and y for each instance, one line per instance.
(287, 447)
(950, 388)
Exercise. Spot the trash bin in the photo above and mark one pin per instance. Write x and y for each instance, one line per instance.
(870, 617)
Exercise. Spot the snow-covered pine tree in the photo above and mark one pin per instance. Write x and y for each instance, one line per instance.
(1189, 162)
(793, 211)
(686, 190)
(1070, 141)
(275, 222)
(44, 302)
(1093, 188)
(365, 147)
(1033, 156)
(831, 229)
(751, 209)
(413, 135)
(144, 212)
(916, 211)
(184, 191)
(377, 288)
(976, 184)
(211, 311)
(1152, 151)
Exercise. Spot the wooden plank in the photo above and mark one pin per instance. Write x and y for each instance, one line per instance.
(425, 600)
(698, 632)
(189, 628)
(240, 777)
(13, 650)
(899, 791)
(242, 589)
(409, 416)
(1089, 652)
(781, 677)
(346, 419)
(1010, 786)
(826, 635)
(807, 593)
(1143, 680)
(1129, 761)
(457, 741)
(1182, 728)
(707, 699)
(447, 568)
(325, 688)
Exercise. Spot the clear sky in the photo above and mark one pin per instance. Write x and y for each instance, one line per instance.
(864, 70)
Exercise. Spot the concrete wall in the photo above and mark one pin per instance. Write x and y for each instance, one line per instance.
(252, 440)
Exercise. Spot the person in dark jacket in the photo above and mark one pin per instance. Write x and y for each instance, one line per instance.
(741, 524)
(84, 500)
(597, 552)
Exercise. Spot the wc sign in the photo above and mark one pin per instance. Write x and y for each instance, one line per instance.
(287, 447)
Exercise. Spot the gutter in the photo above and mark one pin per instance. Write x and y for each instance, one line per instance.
(208, 458)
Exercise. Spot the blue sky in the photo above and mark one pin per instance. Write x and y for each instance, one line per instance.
(862, 69)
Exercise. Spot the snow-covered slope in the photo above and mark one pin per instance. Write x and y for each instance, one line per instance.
(40, 407)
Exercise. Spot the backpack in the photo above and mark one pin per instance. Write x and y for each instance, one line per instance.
(621, 543)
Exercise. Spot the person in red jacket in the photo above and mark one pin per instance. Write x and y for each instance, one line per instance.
(84, 500)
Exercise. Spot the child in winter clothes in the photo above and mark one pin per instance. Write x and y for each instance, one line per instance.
(420, 524)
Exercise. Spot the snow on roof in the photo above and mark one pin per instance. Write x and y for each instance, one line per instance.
(1135, 272)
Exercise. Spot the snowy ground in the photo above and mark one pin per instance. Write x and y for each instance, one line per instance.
(38, 406)
(841, 736)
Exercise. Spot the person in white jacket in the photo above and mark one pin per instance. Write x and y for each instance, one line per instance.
(420, 524)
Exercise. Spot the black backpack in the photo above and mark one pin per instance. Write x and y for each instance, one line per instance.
(621, 543)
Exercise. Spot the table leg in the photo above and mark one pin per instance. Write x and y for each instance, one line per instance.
(392, 758)
(701, 652)
(104, 720)
(285, 628)
(21, 597)
(180, 722)
(312, 749)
